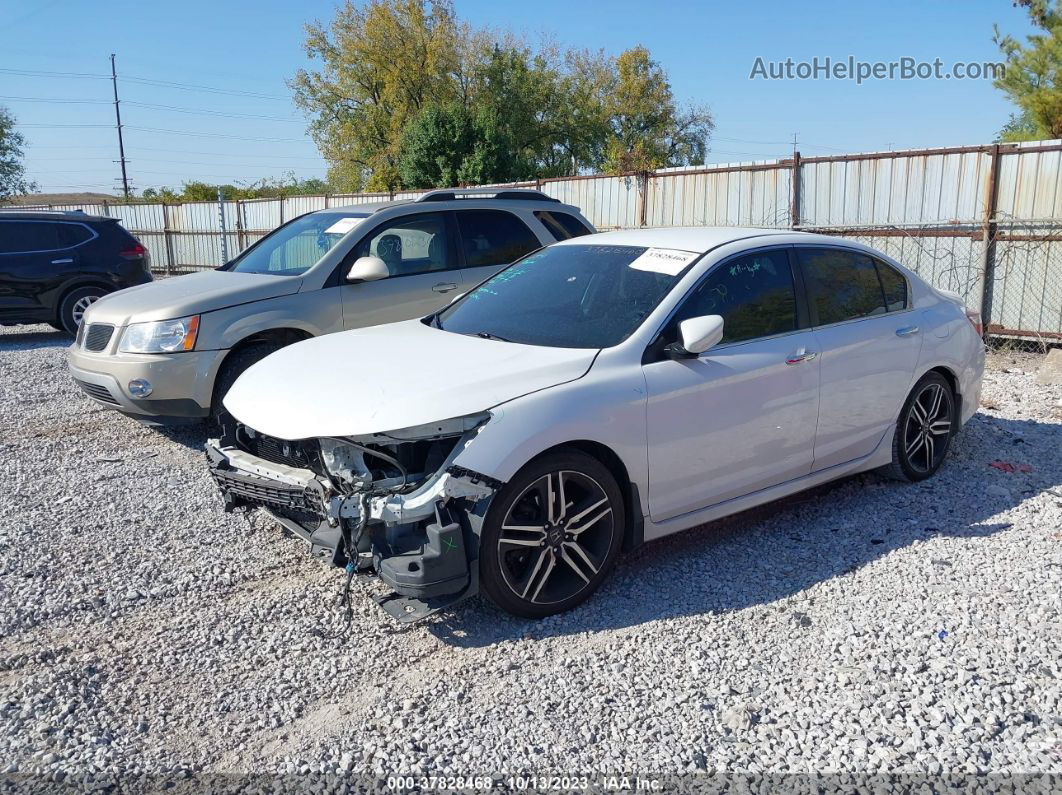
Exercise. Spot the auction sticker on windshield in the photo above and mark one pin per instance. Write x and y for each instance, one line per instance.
(670, 261)
(342, 226)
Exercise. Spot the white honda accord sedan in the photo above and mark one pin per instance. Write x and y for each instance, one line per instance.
(601, 392)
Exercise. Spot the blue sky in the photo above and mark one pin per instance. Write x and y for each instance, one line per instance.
(708, 49)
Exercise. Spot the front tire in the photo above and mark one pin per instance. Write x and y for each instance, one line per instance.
(233, 367)
(72, 307)
(923, 430)
(551, 536)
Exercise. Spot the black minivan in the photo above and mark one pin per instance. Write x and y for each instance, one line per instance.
(53, 264)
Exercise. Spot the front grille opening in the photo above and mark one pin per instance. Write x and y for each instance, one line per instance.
(97, 336)
(99, 392)
(301, 454)
(269, 493)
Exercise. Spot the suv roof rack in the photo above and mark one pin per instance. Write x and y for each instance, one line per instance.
(47, 211)
(505, 194)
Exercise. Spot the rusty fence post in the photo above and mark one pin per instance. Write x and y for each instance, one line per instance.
(167, 238)
(643, 196)
(241, 236)
(794, 202)
(989, 229)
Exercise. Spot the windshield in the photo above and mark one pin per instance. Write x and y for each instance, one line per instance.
(577, 296)
(295, 247)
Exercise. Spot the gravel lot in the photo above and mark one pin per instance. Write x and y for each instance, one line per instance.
(868, 627)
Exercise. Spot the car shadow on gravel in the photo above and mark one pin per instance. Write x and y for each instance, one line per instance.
(771, 553)
(40, 337)
(193, 435)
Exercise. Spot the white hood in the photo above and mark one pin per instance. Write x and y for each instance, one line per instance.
(384, 378)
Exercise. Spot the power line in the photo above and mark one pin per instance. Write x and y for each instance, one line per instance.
(166, 130)
(145, 81)
(59, 101)
(42, 73)
(219, 154)
(206, 112)
(151, 105)
(49, 126)
(208, 89)
(217, 135)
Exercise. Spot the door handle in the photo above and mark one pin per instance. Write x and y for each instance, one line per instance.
(801, 356)
(906, 331)
(444, 287)
(64, 261)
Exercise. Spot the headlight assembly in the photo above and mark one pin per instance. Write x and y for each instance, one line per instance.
(437, 430)
(161, 336)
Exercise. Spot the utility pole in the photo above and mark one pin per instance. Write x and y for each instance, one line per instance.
(118, 121)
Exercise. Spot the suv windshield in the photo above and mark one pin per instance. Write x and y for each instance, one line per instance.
(569, 296)
(295, 247)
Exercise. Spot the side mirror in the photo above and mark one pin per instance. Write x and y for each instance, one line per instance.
(368, 269)
(696, 335)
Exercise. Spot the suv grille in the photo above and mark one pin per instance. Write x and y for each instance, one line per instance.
(100, 393)
(97, 336)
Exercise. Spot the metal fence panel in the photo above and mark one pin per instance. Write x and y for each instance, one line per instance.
(744, 194)
(927, 208)
(607, 202)
(894, 188)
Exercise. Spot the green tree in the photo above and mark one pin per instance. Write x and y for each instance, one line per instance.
(1033, 77)
(13, 180)
(435, 146)
(380, 65)
(406, 95)
(647, 129)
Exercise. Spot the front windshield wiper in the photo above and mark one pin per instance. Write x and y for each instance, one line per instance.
(486, 335)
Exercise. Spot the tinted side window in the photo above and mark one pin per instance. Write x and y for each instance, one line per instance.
(494, 237)
(73, 234)
(895, 286)
(842, 285)
(410, 244)
(24, 236)
(562, 225)
(754, 294)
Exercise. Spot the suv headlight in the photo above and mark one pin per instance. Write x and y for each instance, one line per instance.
(161, 336)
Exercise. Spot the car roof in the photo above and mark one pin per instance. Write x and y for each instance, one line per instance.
(684, 238)
(51, 215)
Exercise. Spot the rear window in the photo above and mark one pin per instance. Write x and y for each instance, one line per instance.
(895, 286)
(73, 234)
(494, 237)
(26, 236)
(562, 225)
(842, 285)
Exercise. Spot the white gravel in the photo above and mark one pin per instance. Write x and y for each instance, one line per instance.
(867, 628)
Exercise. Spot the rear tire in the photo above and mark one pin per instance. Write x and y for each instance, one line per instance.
(72, 307)
(551, 536)
(923, 430)
(233, 367)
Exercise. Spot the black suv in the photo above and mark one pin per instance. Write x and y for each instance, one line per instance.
(54, 264)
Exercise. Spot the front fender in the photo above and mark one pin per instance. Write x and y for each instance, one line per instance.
(315, 312)
(603, 407)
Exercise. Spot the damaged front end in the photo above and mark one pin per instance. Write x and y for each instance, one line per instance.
(392, 503)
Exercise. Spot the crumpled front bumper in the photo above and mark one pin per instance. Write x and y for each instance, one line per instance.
(423, 544)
